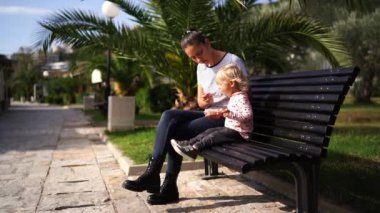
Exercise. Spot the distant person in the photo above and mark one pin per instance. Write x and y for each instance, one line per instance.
(238, 124)
(185, 124)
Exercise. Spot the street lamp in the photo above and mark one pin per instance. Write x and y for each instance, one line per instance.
(96, 76)
(111, 10)
(45, 74)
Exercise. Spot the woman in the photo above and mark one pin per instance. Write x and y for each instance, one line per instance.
(238, 116)
(185, 124)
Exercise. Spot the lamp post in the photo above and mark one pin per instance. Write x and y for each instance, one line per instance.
(45, 74)
(111, 10)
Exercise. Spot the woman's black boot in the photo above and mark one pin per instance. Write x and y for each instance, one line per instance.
(168, 192)
(150, 180)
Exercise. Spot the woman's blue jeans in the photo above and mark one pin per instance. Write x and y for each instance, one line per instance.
(179, 125)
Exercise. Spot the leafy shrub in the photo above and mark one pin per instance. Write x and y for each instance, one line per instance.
(62, 90)
(162, 97)
(143, 102)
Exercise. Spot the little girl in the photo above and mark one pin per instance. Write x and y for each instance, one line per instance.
(238, 124)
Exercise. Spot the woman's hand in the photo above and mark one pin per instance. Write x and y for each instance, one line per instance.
(208, 99)
(204, 99)
(225, 112)
(214, 113)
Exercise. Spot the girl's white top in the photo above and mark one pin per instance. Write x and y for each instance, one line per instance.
(206, 78)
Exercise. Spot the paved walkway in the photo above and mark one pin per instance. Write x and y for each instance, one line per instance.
(52, 160)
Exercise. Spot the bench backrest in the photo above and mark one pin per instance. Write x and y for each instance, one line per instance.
(297, 110)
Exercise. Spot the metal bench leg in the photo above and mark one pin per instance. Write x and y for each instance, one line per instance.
(207, 169)
(306, 177)
(211, 170)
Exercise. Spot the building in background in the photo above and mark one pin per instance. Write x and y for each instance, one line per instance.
(57, 69)
(5, 74)
(57, 64)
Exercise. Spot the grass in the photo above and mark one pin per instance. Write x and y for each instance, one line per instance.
(148, 116)
(136, 144)
(96, 115)
(350, 173)
(350, 105)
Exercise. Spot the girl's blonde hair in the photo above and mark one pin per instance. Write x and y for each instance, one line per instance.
(231, 72)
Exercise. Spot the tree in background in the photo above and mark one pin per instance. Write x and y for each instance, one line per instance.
(356, 22)
(261, 38)
(362, 37)
(26, 74)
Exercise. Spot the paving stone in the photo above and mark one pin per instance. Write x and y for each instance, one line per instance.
(72, 155)
(73, 200)
(25, 199)
(71, 133)
(114, 188)
(7, 169)
(74, 171)
(10, 203)
(78, 123)
(131, 205)
(88, 160)
(74, 144)
(90, 209)
(94, 137)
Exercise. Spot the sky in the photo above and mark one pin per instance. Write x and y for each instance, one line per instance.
(18, 19)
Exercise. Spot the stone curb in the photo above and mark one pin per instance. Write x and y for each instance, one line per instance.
(132, 169)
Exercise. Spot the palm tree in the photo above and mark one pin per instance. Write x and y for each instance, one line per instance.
(26, 73)
(261, 38)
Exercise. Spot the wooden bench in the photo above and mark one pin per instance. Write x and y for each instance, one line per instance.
(294, 114)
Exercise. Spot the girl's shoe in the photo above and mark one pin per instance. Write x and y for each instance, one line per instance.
(187, 151)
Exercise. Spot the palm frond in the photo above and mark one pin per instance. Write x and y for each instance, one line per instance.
(76, 28)
(285, 29)
(193, 14)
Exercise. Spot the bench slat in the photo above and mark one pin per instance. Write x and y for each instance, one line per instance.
(295, 125)
(256, 155)
(352, 72)
(274, 151)
(270, 144)
(327, 80)
(236, 153)
(281, 151)
(299, 116)
(231, 154)
(297, 107)
(249, 150)
(290, 134)
(299, 89)
(260, 156)
(315, 98)
(297, 147)
(238, 165)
